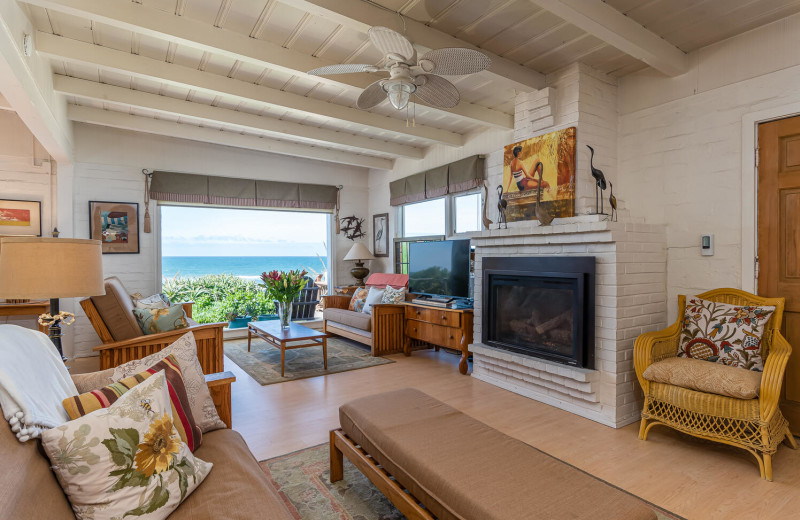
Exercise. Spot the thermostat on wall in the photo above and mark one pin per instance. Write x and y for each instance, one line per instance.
(707, 245)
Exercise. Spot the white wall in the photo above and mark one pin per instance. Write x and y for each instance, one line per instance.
(25, 174)
(577, 96)
(680, 149)
(108, 165)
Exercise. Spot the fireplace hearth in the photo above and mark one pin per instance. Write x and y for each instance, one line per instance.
(541, 307)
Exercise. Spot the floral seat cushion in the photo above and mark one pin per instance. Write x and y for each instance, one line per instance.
(724, 333)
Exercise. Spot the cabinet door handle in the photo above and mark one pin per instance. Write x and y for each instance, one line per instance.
(444, 317)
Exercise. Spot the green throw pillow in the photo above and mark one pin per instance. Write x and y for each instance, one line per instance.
(153, 321)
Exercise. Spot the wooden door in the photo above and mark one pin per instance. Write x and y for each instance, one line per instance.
(779, 240)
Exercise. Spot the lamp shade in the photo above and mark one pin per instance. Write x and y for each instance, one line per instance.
(359, 252)
(46, 268)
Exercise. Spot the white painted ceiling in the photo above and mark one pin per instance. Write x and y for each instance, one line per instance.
(517, 30)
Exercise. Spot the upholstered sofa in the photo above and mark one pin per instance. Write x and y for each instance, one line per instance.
(382, 330)
(235, 489)
(112, 317)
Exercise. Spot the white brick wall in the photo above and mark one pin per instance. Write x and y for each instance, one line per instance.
(630, 300)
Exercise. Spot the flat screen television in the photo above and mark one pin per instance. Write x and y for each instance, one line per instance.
(439, 268)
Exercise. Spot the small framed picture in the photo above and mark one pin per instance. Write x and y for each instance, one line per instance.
(380, 234)
(116, 225)
(21, 217)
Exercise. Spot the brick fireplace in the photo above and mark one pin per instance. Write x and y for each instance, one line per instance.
(627, 290)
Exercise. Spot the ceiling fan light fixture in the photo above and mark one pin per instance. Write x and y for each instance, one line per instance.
(399, 92)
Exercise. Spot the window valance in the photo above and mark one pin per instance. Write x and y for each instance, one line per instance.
(228, 191)
(462, 175)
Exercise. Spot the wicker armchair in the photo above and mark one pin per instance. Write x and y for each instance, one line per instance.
(755, 425)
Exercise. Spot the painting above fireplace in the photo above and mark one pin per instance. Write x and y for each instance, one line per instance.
(541, 307)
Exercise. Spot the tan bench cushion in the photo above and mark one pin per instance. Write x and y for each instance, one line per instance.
(116, 309)
(236, 488)
(359, 320)
(705, 376)
(461, 468)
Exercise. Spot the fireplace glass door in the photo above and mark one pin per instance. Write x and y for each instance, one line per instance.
(538, 315)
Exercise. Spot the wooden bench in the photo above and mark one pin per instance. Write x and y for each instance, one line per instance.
(433, 461)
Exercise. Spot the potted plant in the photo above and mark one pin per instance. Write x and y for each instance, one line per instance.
(284, 287)
(235, 311)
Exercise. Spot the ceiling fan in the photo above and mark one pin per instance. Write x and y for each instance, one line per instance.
(409, 75)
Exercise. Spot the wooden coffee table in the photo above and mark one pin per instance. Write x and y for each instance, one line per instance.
(272, 333)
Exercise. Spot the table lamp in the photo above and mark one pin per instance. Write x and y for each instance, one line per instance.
(51, 268)
(359, 253)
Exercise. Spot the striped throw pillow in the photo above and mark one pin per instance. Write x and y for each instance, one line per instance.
(190, 433)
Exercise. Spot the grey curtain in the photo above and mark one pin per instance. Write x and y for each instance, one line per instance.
(462, 175)
(228, 191)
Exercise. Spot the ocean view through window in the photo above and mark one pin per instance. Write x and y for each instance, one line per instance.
(214, 256)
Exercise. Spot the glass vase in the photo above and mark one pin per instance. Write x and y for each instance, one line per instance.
(285, 314)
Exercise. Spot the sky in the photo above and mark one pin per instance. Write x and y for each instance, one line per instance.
(191, 231)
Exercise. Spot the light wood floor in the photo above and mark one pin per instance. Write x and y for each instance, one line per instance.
(687, 476)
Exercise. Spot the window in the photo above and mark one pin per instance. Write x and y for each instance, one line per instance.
(426, 218)
(467, 213)
(442, 217)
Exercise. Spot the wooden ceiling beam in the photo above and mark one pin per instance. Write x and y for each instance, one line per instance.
(98, 116)
(360, 16)
(74, 51)
(606, 23)
(140, 19)
(86, 89)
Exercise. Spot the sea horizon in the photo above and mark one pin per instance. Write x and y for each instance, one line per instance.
(249, 267)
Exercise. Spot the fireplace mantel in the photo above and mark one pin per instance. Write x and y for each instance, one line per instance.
(630, 299)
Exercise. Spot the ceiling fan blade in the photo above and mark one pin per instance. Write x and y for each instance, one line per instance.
(372, 96)
(391, 42)
(454, 61)
(344, 68)
(436, 91)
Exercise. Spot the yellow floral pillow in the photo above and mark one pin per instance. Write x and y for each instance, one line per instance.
(126, 460)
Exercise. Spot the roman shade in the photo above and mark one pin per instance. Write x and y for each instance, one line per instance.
(462, 175)
(229, 191)
(466, 174)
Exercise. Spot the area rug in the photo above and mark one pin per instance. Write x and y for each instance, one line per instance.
(263, 362)
(302, 480)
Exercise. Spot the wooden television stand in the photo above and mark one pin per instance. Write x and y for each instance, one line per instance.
(449, 328)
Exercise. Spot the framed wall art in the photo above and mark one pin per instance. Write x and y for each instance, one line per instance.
(116, 225)
(21, 217)
(380, 234)
(548, 159)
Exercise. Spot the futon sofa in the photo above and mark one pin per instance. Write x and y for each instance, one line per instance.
(382, 330)
(235, 489)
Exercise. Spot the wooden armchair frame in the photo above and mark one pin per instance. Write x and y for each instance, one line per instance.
(113, 353)
(738, 422)
(387, 325)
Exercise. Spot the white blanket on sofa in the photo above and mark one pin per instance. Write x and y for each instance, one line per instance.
(33, 382)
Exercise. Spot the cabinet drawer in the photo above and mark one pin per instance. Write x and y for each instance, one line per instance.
(435, 334)
(437, 316)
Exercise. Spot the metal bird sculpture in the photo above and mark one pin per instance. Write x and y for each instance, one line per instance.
(599, 182)
(502, 204)
(544, 216)
(487, 222)
(612, 200)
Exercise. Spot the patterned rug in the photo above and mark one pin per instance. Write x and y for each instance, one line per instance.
(263, 362)
(301, 478)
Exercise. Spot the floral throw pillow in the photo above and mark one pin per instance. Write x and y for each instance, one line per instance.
(183, 420)
(723, 333)
(126, 460)
(392, 295)
(358, 299)
(156, 301)
(185, 351)
(153, 321)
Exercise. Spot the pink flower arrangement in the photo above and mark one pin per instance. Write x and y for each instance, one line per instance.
(284, 286)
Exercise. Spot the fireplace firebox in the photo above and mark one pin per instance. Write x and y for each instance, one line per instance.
(541, 307)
